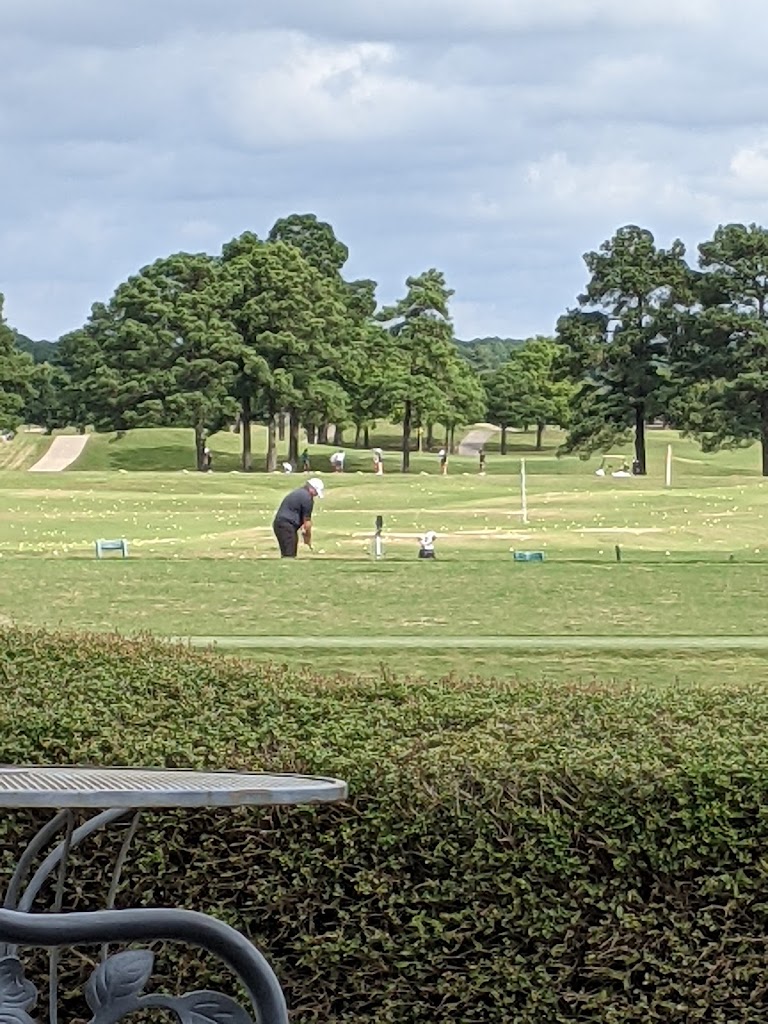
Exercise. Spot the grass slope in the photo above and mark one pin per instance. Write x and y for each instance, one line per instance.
(23, 451)
(167, 449)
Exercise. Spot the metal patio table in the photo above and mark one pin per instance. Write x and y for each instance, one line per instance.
(116, 986)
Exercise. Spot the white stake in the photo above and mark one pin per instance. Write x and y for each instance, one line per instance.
(668, 473)
(523, 496)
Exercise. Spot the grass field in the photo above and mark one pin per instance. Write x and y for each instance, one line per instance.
(23, 451)
(203, 562)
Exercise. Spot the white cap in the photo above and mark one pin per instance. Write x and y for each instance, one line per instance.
(317, 485)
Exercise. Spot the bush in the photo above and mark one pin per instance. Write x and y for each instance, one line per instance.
(510, 852)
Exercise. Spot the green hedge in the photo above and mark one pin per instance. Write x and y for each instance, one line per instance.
(510, 852)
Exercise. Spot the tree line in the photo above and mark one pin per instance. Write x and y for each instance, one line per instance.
(271, 331)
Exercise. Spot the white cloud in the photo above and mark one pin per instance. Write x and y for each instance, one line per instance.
(322, 92)
(749, 168)
(498, 139)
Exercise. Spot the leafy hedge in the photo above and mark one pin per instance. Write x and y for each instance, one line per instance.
(511, 852)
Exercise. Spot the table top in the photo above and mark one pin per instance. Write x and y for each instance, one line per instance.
(60, 787)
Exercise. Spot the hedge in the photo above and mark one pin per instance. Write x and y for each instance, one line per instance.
(593, 851)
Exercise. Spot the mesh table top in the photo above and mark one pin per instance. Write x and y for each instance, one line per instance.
(60, 787)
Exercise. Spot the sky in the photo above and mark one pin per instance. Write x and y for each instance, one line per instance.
(497, 140)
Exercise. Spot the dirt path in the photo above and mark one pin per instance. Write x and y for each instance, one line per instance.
(475, 439)
(62, 453)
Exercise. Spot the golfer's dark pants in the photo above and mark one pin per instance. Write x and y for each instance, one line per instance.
(287, 537)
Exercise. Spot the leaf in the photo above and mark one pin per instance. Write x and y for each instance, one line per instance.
(119, 976)
(210, 1008)
(15, 990)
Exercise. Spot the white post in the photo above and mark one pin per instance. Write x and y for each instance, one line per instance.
(523, 495)
(668, 472)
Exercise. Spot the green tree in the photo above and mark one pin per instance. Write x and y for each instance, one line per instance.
(615, 343)
(158, 354)
(465, 400)
(284, 315)
(425, 358)
(78, 356)
(41, 351)
(486, 354)
(315, 240)
(719, 356)
(331, 400)
(368, 360)
(46, 402)
(15, 374)
(528, 389)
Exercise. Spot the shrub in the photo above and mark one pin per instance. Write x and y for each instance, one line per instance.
(510, 852)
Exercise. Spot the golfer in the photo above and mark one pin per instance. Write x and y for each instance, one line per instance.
(294, 515)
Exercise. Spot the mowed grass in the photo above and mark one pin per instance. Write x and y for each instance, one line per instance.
(23, 451)
(203, 561)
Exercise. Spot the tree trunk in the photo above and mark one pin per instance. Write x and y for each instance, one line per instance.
(452, 438)
(322, 434)
(430, 436)
(764, 432)
(358, 435)
(640, 438)
(293, 439)
(271, 464)
(338, 436)
(311, 434)
(407, 417)
(245, 430)
(504, 440)
(366, 437)
(200, 449)
(281, 429)
(540, 428)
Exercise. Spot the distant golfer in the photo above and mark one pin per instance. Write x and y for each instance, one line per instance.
(482, 462)
(306, 466)
(295, 515)
(443, 455)
(337, 460)
(378, 461)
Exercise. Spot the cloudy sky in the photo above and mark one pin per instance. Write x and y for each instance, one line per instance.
(497, 140)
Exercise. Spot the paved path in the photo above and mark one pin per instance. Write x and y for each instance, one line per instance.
(62, 453)
(475, 439)
(432, 641)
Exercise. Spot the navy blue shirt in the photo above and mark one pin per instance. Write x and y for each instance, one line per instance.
(295, 508)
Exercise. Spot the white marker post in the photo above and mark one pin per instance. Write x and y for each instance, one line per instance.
(523, 495)
(668, 471)
(378, 548)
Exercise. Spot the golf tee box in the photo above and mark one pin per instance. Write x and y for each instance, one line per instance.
(528, 556)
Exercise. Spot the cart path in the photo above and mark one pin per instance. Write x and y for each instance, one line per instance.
(475, 439)
(62, 453)
(504, 643)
